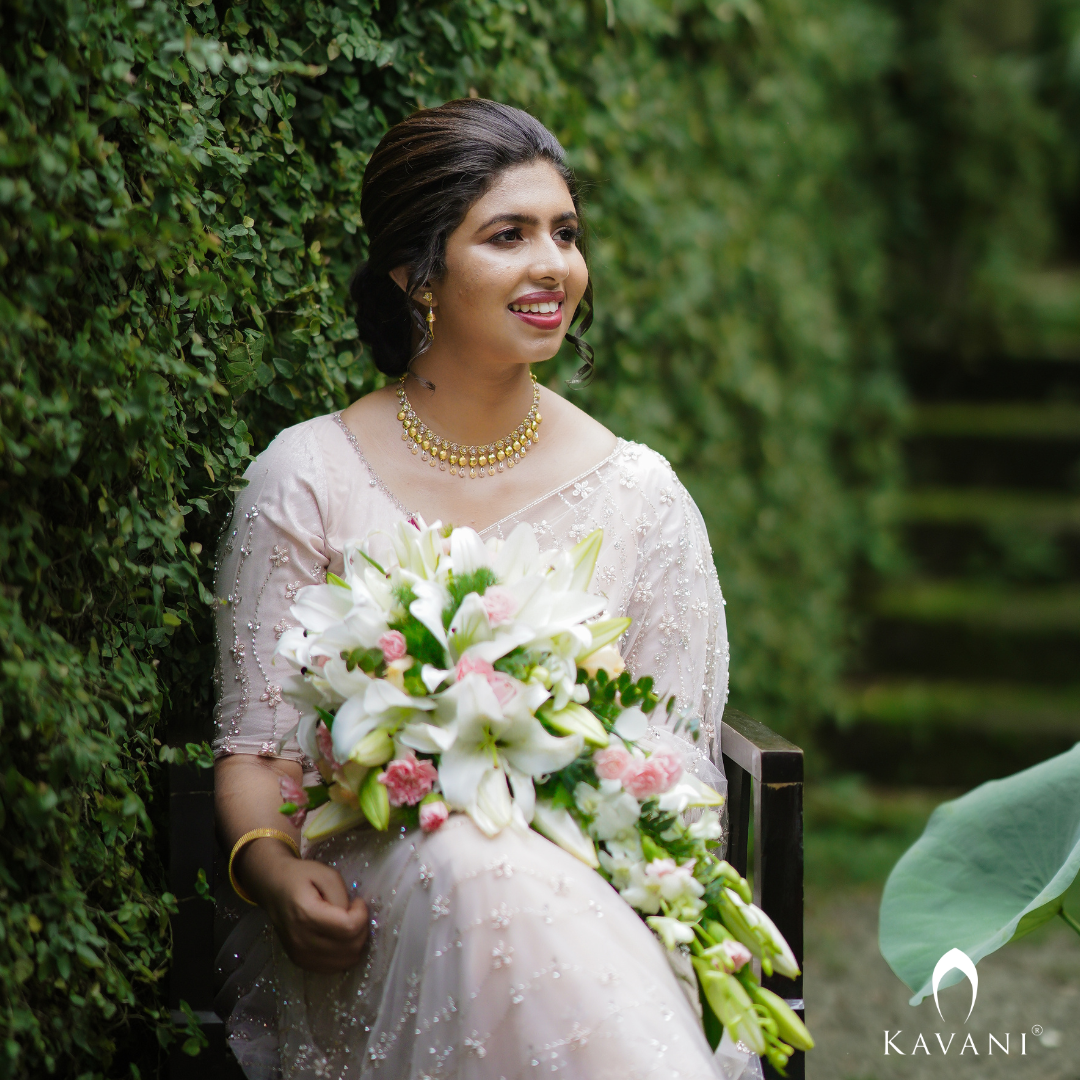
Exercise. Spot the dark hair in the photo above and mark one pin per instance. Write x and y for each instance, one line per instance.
(425, 174)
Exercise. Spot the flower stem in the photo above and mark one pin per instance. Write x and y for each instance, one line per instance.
(1069, 919)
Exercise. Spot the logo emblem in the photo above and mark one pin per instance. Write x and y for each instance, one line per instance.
(954, 958)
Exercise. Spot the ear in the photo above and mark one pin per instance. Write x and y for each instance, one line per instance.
(400, 276)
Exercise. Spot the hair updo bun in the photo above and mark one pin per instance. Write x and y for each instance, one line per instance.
(423, 177)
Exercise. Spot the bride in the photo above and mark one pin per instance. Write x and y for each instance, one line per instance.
(454, 955)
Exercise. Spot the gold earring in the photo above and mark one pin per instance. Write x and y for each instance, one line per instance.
(430, 317)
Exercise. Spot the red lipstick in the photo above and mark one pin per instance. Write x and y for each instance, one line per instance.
(550, 319)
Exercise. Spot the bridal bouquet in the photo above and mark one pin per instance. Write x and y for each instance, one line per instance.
(464, 677)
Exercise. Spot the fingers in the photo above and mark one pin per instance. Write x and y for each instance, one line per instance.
(327, 881)
(321, 928)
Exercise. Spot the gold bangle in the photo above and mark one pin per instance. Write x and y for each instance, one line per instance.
(256, 834)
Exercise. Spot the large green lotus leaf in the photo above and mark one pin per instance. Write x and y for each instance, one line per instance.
(990, 867)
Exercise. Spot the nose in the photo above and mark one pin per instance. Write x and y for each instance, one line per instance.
(549, 263)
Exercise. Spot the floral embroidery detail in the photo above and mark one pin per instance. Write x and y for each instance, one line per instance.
(272, 696)
(476, 1044)
(292, 589)
(318, 572)
(627, 480)
(237, 650)
(644, 593)
(582, 489)
(668, 625)
(440, 906)
(502, 956)
(500, 917)
(667, 496)
(578, 1037)
(268, 749)
(643, 525)
(281, 627)
(700, 608)
(606, 574)
(279, 556)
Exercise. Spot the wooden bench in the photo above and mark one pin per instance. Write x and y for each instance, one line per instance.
(765, 789)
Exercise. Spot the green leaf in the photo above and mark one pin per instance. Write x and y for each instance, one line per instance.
(990, 867)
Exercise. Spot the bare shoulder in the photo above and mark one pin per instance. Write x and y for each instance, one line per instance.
(573, 427)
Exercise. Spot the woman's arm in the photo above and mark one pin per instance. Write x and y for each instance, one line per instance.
(320, 927)
(274, 545)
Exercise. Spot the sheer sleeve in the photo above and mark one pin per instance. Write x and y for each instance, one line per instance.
(679, 633)
(274, 545)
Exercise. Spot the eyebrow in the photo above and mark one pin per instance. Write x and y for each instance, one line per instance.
(525, 219)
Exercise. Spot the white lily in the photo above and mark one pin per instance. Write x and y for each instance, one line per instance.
(707, 827)
(486, 741)
(419, 548)
(663, 879)
(431, 598)
(614, 812)
(381, 705)
(672, 932)
(318, 607)
(518, 557)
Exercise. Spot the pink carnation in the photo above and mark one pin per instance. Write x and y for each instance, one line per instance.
(499, 604)
(326, 744)
(408, 779)
(653, 776)
(472, 665)
(433, 815)
(292, 792)
(393, 645)
(612, 762)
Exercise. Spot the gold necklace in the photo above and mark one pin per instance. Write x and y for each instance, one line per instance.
(478, 461)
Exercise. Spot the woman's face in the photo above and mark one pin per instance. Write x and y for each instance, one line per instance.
(514, 275)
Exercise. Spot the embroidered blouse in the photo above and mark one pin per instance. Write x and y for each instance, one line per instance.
(312, 490)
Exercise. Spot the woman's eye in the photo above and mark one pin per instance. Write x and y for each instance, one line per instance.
(568, 235)
(506, 236)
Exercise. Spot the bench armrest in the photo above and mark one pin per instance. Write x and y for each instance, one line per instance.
(765, 784)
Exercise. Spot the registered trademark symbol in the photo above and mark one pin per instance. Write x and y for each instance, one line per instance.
(1036, 1029)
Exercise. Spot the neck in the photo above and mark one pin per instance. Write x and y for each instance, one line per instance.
(470, 405)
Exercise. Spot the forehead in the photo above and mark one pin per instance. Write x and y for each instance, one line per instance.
(530, 189)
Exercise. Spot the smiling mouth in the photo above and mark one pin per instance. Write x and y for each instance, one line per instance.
(545, 307)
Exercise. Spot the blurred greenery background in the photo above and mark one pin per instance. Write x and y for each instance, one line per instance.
(834, 246)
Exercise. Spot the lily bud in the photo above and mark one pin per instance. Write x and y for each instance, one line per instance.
(375, 801)
(732, 1005)
(560, 828)
(733, 912)
(576, 720)
(734, 880)
(375, 748)
(606, 659)
(791, 1028)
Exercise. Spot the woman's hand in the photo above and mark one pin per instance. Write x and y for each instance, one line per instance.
(320, 927)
